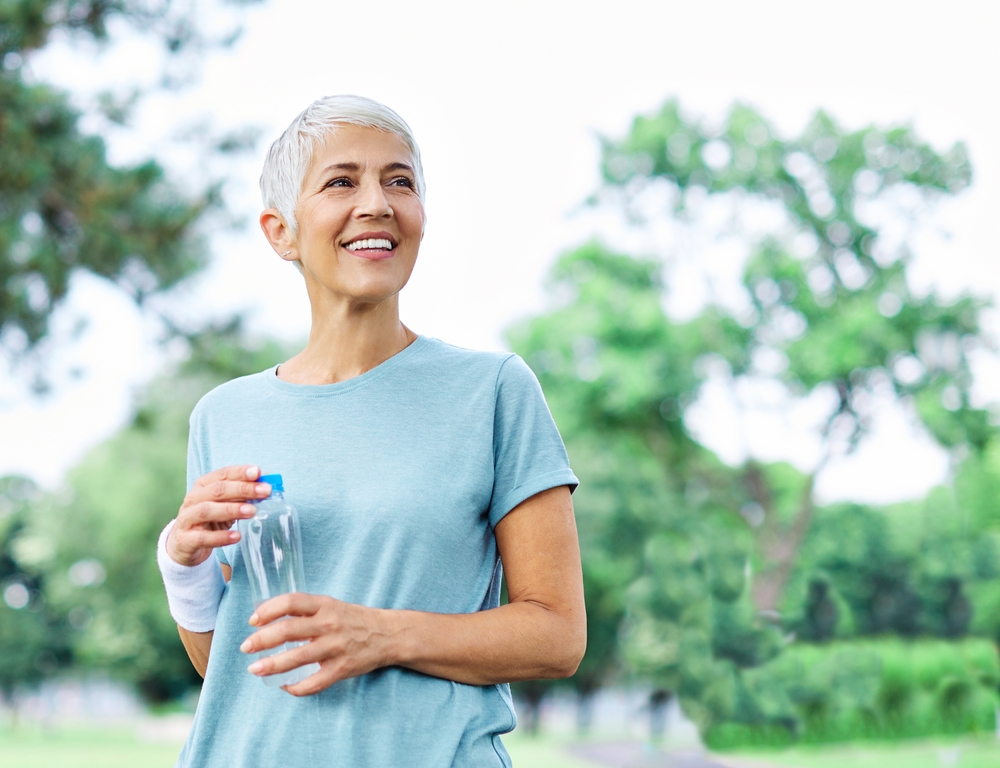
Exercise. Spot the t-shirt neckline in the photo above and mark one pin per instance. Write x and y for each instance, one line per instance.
(340, 387)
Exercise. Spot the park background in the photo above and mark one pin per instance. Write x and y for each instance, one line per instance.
(765, 332)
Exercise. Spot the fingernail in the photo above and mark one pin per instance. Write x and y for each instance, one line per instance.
(245, 646)
(234, 535)
(247, 509)
(253, 473)
(263, 489)
(255, 668)
(253, 619)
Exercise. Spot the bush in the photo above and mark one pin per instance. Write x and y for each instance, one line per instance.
(871, 689)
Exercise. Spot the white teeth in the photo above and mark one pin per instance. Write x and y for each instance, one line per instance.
(369, 245)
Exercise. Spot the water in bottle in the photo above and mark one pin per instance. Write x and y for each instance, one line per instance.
(272, 551)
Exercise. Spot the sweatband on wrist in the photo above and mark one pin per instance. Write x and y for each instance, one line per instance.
(193, 591)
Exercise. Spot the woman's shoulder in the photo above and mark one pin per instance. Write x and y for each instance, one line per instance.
(233, 393)
(446, 355)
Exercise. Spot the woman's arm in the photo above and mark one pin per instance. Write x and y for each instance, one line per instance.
(199, 644)
(540, 633)
(202, 524)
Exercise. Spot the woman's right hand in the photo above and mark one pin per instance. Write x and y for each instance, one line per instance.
(214, 502)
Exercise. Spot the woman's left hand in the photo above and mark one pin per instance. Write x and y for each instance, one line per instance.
(346, 640)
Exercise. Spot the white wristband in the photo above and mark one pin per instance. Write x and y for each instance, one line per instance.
(193, 592)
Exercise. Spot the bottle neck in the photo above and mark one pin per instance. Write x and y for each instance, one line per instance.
(274, 495)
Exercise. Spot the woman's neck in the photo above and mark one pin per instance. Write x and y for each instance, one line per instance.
(345, 344)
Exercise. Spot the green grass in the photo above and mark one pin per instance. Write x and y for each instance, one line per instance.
(32, 747)
(540, 752)
(75, 747)
(973, 752)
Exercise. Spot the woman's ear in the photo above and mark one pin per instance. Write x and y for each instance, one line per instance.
(278, 234)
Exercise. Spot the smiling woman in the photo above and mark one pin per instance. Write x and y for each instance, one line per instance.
(423, 474)
(358, 221)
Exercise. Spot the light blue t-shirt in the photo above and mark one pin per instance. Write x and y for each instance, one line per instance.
(399, 476)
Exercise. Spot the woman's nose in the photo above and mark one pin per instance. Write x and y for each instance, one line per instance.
(373, 202)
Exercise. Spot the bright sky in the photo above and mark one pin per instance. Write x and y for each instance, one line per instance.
(506, 101)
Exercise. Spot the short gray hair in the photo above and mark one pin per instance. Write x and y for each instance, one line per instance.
(289, 157)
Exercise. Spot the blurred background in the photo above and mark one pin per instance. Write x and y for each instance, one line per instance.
(746, 248)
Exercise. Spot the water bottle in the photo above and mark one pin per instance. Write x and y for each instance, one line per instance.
(272, 550)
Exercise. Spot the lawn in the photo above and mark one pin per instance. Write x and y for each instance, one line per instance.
(31, 747)
(74, 747)
(969, 752)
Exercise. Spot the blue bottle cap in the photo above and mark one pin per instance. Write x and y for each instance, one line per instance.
(274, 481)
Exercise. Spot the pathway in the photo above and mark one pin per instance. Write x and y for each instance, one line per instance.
(637, 755)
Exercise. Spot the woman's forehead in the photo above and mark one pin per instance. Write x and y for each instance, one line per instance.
(360, 146)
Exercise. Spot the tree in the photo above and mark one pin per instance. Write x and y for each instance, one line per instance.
(829, 306)
(62, 206)
(34, 638)
(94, 543)
(661, 540)
(669, 533)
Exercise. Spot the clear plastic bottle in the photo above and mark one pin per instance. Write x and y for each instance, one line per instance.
(272, 551)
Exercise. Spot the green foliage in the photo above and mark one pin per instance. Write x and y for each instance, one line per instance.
(121, 495)
(65, 208)
(669, 534)
(62, 206)
(33, 636)
(879, 689)
(660, 539)
(95, 541)
(616, 360)
(977, 489)
(912, 569)
(842, 314)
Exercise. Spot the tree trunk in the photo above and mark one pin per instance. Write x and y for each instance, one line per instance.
(658, 702)
(778, 546)
(584, 711)
(8, 699)
(531, 696)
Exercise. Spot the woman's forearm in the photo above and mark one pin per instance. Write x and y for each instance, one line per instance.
(540, 633)
(198, 646)
(517, 641)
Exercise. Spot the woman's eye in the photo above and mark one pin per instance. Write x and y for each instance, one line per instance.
(401, 181)
(341, 182)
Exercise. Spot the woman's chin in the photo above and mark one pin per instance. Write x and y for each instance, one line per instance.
(363, 292)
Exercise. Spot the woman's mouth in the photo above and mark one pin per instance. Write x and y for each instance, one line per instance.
(372, 248)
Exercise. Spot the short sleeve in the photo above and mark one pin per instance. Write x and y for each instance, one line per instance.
(195, 459)
(198, 465)
(528, 454)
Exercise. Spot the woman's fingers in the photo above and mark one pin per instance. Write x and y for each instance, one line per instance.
(336, 663)
(292, 604)
(194, 546)
(217, 512)
(273, 635)
(226, 490)
(327, 676)
(216, 500)
(346, 640)
(235, 472)
(204, 539)
(293, 658)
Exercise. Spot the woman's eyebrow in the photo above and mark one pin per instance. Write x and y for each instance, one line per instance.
(398, 167)
(354, 167)
(341, 167)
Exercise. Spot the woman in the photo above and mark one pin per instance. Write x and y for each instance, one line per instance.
(416, 468)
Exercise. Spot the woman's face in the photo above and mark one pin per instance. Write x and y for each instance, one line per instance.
(360, 218)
